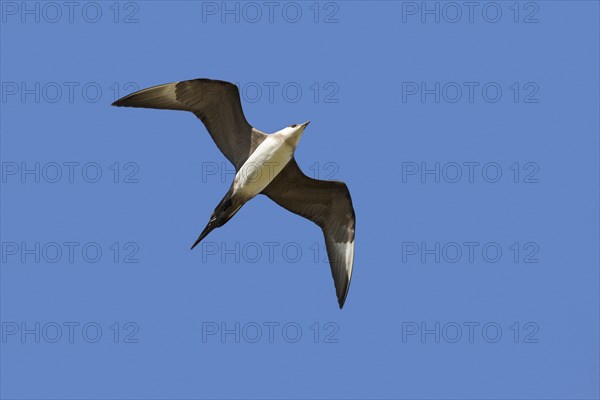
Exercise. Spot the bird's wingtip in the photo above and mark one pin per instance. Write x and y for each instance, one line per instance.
(118, 103)
(342, 298)
(122, 102)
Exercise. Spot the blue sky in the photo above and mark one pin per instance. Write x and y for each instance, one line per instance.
(468, 136)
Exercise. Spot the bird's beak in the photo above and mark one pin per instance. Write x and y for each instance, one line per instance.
(304, 125)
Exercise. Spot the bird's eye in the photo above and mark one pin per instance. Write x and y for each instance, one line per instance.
(293, 126)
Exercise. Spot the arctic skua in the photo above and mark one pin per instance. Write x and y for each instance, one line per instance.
(264, 164)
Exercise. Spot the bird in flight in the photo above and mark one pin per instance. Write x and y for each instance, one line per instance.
(264, 164)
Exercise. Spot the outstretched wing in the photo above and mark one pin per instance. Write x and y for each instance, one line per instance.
(216, 103)
(329, 205)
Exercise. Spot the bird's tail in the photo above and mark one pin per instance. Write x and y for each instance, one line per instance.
(208, 229)
(161, 97)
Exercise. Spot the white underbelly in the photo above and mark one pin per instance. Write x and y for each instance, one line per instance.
(267, 161)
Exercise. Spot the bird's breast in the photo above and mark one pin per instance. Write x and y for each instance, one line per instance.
(267, 161)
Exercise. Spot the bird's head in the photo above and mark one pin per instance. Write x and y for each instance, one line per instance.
(294, 132)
